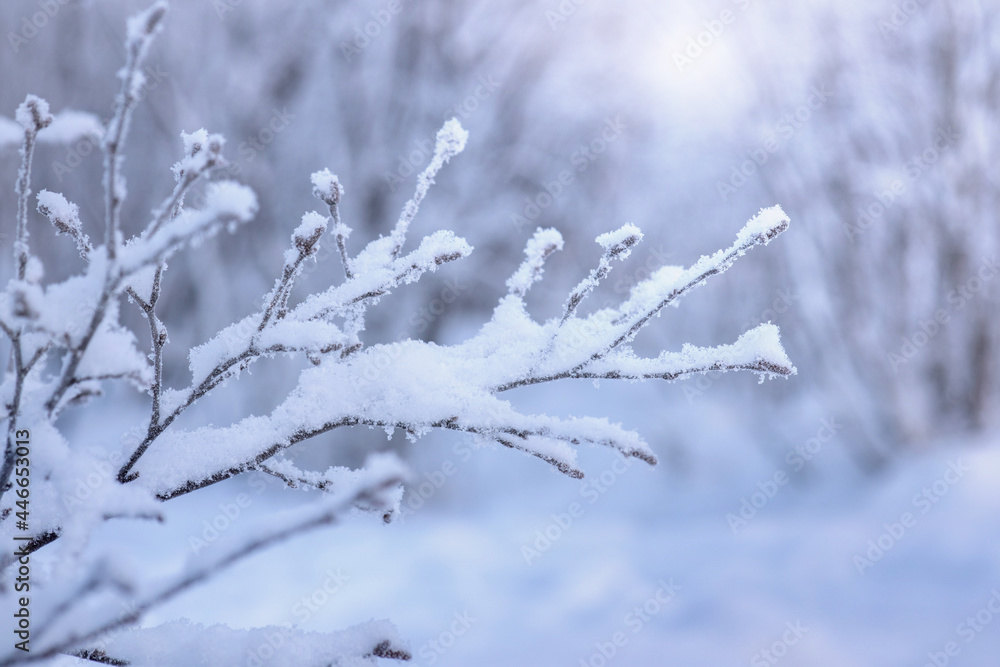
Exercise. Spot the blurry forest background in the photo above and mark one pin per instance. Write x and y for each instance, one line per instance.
(874, 125)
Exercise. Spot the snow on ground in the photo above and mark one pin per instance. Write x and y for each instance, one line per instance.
(639, 566)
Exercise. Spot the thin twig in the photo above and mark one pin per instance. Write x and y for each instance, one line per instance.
(118, 130)
(195, 575)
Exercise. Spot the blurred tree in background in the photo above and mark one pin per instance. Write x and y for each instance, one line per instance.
(892, 171)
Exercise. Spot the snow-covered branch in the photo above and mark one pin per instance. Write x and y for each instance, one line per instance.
(61, 632)
(539, 247)
(65, 217)
(68, 341)
(357, 645)
(426, 383)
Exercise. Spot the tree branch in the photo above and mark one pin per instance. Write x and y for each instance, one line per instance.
(141, 30)
(370, 489)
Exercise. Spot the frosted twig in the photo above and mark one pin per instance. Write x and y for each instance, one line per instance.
(294, 482)
(21, 371)
(203, 152)
(98, 656)
(703, 269)
(617, 245)
(543, 243)
(451, 140)
(33, 115)
(218, 375)
(141, 30)
(31, 546)
(304, 245)
(65, 217)
(158, 339)
(370, 490)
(327, 188)
(436, 250)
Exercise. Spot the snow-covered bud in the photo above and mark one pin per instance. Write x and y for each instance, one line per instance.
(327, 187)
(451, 139)
(65, 217)
(202, 151)
(309, 232)
(763, 227)
(33, 114)
(145, 25)
(619, 242)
